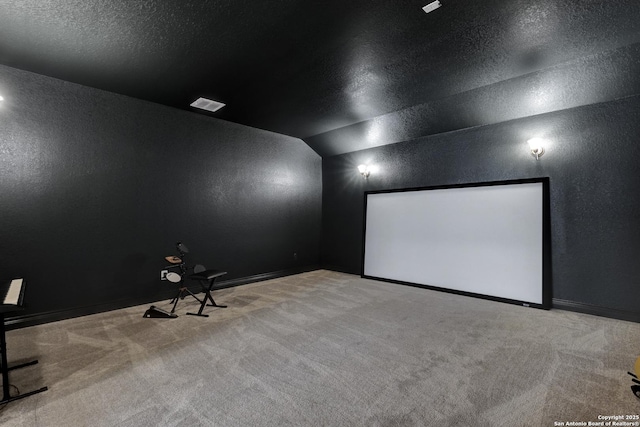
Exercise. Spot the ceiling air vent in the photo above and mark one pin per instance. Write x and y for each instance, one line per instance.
(207, 104)
(432, 6)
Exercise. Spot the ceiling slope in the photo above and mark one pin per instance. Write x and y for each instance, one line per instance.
(343, 76)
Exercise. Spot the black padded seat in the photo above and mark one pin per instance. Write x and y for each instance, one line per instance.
(207, 275)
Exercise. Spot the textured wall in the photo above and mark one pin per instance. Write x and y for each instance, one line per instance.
(582, 81)
(592, 161)
(96, 188)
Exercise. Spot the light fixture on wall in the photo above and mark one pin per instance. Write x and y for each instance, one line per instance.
(537, 147)
(364, 171)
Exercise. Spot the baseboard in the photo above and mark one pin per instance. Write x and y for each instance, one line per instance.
(462, 293)
(56, 315)
(18, 322)
(265, 276)
(559, 304)
(339, 269)
(595, 310)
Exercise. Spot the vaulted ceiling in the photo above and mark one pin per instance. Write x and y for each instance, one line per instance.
(342, 75)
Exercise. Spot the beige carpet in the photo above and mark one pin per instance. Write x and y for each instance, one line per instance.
(326, 349)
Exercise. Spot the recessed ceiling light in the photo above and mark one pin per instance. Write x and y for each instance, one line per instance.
(207, 104)
(1, 98)
(432, 6)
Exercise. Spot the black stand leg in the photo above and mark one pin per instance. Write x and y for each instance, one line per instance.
(213, 303)
(207, 297)
(6, 397)
(175, 301)
(183, 291)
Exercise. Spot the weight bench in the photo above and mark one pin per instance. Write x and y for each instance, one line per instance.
(207, 279)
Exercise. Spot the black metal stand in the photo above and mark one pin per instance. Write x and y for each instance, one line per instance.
(209, 276)
(635, 388)
(6, 397)
(183, 291)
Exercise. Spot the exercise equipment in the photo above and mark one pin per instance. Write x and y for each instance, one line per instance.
(207, 279)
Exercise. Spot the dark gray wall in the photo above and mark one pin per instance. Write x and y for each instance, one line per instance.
(592, 161)
(96, 188)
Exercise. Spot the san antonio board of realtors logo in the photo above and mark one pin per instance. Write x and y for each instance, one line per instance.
(635, 388)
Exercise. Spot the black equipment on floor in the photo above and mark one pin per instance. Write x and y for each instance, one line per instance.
(158, 313)
(183, 291)
(179, 263)
(207, 279)
(12, 295)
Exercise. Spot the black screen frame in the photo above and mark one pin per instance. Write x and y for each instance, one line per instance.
(546, 241)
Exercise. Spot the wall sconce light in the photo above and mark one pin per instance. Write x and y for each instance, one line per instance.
(536, 145)
(364, 171)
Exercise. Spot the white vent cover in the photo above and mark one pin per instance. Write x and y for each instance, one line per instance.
(432, 6)
(207, 104)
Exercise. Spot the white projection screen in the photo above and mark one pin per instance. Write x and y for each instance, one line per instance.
(486, 239)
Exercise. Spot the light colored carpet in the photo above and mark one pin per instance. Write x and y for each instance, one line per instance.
(326, 349)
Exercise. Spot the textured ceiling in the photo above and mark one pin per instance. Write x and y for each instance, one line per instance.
(342, 75)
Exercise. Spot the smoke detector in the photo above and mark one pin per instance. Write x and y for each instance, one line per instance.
(432, 6)
(207, 104)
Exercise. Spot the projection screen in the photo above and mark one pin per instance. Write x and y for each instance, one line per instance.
(485, 239)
